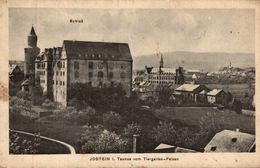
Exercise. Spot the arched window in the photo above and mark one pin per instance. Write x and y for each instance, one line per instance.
(100, 74)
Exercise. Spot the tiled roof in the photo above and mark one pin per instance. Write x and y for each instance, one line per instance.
(214, 92)
(230, 141)
(97, 50)
(187, 87)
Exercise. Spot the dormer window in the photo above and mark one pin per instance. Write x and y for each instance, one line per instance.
(213, 148)
(76, 65)
(234, 139)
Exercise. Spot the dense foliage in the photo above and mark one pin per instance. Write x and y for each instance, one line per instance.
(21, 145)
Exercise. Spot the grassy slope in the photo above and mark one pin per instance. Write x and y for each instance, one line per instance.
(59, 130)
(191, 116)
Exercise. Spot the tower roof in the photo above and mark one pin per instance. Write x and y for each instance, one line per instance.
(32, 31)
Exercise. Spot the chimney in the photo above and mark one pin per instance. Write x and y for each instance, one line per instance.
(135, 136)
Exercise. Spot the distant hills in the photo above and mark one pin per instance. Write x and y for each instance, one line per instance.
(207, 61)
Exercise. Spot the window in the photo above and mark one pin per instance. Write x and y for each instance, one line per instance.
(112, 84)
(122, 75)
(100, 74)
(110, 75)
(76, 65)
(57, 73)
(60, 73)
(60, 82)
(90, 75)
(89, 84)
(76, 74)
(63, 64)
(100, 84)
(90, 65)
(63, 83)
(63, 73)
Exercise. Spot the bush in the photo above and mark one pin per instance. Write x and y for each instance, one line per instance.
(48, 104)
(112, 121)
(84, 116)
(19, 145)
(96, 139)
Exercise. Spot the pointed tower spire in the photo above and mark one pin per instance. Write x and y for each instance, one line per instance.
(32, 31)
(161, 62)
(32, 38)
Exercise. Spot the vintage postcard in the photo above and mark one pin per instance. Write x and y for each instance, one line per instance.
(129, 83)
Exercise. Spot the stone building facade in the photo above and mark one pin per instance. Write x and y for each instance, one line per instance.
(97, 64)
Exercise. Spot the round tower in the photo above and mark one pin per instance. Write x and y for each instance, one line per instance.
(30, 54)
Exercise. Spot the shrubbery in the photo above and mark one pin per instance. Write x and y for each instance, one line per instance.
(19, 145)
(96, 139)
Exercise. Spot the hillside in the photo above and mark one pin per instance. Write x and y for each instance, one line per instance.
(194, 60)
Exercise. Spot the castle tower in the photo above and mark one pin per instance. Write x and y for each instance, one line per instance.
(31, 51)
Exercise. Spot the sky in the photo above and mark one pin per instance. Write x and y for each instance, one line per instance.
(147, 31)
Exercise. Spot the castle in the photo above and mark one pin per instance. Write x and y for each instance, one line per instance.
(97, 64)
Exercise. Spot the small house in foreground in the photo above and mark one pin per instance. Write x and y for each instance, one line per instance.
(191, 91)
(216, 96)
(231, 141)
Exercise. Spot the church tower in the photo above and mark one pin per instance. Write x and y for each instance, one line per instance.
(161, 62)
(31, 51)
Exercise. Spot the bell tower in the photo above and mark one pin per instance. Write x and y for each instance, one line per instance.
(31, 51)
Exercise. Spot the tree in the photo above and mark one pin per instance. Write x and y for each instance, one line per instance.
(236, 105)
(112, 121)
(164, 94)
(132, 129)
(164, 132)
(97, 139)
(83, 116)
(110, 142)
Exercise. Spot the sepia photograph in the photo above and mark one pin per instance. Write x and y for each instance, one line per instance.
(129, 83)
(84, 81)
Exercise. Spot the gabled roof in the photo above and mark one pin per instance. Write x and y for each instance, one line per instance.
(214, 92)
(203, 92)
(13, 67)
(97, 50)
(187, 87)
(230, 141)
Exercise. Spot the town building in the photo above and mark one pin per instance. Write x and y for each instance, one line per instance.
(164, 75)
(160, 75)
(96, 64)
(190, 92)
(217, 96)
(15, 73)
(231, 141)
